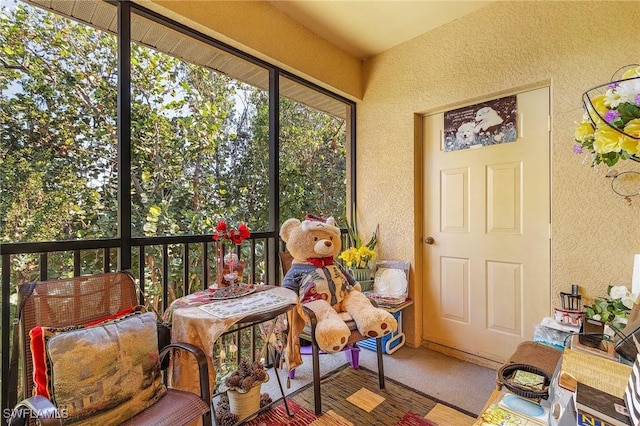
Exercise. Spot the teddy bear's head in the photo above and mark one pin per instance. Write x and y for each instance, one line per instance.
(311, 238)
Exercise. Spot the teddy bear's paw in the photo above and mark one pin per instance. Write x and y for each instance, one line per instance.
(383, 330)
(332, 339)
(386, 324)
(338, 348)
(334, 348)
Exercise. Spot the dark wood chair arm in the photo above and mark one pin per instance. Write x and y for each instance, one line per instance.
(36, 407)
(312, 316)
(203, 367)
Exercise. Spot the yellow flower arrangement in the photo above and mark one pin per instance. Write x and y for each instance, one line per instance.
(357, 257)
(610, 128)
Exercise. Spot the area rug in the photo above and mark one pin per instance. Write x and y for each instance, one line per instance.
(278, 416)
(352, 397)
(413, 419)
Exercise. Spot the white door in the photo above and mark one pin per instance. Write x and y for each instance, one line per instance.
(487, 235)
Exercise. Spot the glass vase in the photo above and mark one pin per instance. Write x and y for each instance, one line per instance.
(363, 277)
(219, 256)
(361, 274)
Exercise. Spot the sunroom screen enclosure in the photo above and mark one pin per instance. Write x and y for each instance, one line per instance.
(126, 136)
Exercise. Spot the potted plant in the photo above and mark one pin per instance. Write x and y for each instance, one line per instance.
(359, 255)
(243, 388)
(610, 128)
(613, 310)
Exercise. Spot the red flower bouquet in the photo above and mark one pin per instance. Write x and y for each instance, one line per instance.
(229, 266)
(234, 235)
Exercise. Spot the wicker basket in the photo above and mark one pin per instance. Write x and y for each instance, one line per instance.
(506, 373)
(245, 405)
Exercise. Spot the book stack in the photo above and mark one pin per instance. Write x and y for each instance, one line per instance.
(598, 408)
(514, 410)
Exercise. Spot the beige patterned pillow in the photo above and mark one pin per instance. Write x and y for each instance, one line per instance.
(105, 374)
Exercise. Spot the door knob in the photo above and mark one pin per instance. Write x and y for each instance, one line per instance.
(429, 240)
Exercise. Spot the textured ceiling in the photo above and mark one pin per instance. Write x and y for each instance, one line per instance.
(365, 28)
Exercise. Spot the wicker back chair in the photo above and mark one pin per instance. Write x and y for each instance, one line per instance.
(351, 349)
(84, 300)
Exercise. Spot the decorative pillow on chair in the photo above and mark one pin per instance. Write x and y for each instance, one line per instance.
(41, 384)
(102, 374)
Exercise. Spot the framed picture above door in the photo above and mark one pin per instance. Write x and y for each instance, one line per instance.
(488, 123)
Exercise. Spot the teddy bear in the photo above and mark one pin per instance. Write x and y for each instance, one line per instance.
(325, 287)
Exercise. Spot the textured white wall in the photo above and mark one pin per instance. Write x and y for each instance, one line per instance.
(570, 45)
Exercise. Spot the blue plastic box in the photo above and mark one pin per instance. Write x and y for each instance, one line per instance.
(390, 343)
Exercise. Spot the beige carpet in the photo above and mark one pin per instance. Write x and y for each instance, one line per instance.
(449, 379)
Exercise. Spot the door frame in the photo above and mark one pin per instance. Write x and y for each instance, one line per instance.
(417, 340)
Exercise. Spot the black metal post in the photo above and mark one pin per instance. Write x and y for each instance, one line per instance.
(124, 135)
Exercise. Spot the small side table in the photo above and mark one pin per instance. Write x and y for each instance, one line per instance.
(191, 324)
(394, 341)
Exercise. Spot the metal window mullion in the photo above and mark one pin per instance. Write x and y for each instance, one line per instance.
(106, 260)
(238, 343)
(274, 174)
(6, 310)
(185, 269)
(141, 273)
(124, 134)
(44, 266)
(352, 163)
(165, 276)
(252, 260)
(205, 266)
(76, 263)
(254, 340)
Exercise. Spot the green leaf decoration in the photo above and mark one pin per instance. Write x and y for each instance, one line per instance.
(628, 112)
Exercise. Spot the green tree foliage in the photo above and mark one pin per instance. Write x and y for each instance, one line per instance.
(200, 147)
(58, 128)
(310, 183)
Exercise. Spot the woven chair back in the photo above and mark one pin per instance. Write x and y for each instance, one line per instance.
(286, 260)
(69, 302)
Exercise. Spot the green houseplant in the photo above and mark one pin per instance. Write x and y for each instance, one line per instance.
(614, 309)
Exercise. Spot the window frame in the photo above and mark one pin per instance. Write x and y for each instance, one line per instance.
(125, 11)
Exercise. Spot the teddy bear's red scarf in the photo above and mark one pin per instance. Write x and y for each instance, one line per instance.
(320, 262)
